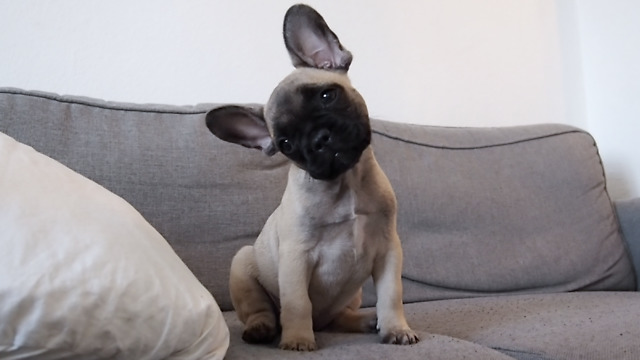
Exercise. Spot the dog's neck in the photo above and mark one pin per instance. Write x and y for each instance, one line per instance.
(352, 192)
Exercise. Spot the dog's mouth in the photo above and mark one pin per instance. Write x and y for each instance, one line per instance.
(331, 171)
(332, 164)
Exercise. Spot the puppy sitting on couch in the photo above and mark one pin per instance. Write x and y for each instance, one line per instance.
(336, 224)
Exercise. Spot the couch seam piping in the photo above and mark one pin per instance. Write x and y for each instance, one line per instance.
(105, 107)
(442, 147)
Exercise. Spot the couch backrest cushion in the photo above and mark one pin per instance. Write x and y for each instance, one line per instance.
(502, 210)
(507, 210)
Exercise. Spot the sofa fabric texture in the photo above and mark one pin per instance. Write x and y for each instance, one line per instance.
(512, 246)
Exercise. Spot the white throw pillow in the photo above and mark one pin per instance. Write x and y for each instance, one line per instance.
(84, 276)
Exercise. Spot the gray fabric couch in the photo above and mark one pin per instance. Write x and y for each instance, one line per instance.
(513, 248)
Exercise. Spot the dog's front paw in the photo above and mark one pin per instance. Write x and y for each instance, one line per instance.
(400, 337)
(298, 344)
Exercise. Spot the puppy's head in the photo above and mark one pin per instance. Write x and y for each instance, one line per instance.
(314, 116)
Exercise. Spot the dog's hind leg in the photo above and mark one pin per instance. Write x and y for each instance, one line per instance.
(253, 305)
(352, 319)
(356, 321)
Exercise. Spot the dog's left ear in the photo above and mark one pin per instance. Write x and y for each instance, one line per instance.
(311, 43)
(241, 125)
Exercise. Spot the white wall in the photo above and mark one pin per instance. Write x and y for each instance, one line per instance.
(610, 43)
(452, 63)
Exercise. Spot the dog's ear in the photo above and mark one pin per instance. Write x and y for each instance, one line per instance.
(241, 125)
(311, 43)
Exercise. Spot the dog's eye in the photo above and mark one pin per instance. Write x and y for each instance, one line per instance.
(327, 96)
(285, 146)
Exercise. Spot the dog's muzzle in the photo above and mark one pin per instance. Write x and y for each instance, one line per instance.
(329, 151)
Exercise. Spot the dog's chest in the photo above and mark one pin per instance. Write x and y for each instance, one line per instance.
(339, 250)
(341, 262)
(340, 256)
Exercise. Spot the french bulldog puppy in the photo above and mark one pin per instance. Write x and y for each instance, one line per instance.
(336, 224)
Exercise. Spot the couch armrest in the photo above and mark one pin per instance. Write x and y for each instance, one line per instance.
(629, 217)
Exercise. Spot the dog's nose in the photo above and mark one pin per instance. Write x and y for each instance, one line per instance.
(320, 140)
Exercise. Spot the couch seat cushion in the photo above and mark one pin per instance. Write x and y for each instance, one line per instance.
(584, 325)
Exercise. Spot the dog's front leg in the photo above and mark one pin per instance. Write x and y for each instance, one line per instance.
(296, 310)
(387, 276)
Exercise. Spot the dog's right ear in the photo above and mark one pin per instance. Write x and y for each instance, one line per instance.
(241, 125)
(311, 43)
